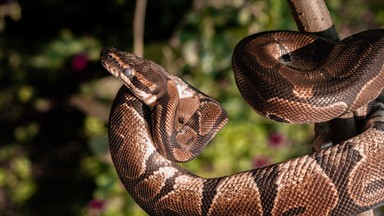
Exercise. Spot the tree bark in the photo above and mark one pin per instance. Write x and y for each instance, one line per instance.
(313, 16)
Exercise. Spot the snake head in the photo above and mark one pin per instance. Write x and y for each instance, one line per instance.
(143, 77)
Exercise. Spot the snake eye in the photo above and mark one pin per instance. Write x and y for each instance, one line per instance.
(127, 72)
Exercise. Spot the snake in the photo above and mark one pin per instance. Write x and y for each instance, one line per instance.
(157, 120)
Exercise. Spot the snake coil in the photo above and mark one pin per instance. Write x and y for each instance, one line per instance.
(158, 118)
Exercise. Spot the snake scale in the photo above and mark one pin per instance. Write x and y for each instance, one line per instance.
(286, 76)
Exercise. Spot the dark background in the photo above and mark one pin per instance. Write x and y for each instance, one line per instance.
(55, 95)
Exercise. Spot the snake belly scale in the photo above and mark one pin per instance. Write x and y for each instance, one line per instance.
(155, 108)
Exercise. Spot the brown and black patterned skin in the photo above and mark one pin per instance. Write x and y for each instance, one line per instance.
(343, 180)
(183, 118)
(279, 73)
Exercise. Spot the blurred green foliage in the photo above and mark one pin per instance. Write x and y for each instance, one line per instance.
(55, 96)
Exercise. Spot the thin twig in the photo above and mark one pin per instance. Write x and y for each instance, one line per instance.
(138, 27)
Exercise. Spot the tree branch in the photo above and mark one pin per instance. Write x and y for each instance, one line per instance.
(313, 16)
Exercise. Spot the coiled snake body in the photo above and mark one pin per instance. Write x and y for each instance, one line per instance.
(287, 76)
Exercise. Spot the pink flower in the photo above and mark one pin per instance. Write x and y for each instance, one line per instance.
(275, 140)
(79, 62)
(260, 161)
(96, 204)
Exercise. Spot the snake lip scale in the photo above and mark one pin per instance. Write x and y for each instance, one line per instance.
(158, 119)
